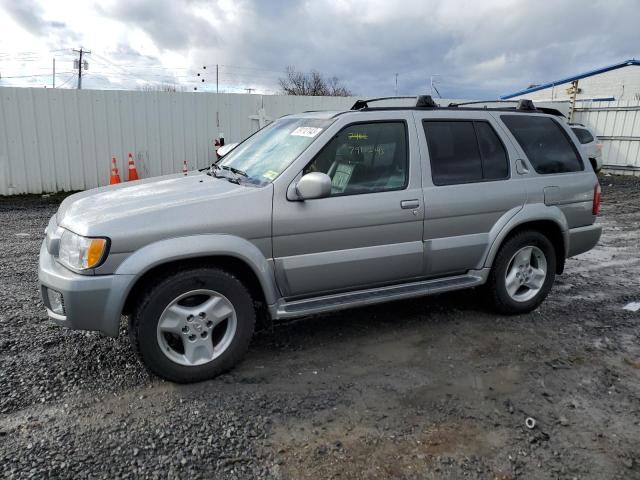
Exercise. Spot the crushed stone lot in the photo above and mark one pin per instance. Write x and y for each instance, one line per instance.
(437, 387)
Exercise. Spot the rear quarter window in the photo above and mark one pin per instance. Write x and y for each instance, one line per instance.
(584, 135)
(546, 144)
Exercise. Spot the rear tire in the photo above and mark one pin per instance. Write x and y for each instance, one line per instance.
(523, 273)
(193, 325)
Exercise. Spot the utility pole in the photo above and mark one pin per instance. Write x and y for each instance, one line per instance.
(216, 78)
(81, 64)
(396, 84)
(573, 90)
(53, 77)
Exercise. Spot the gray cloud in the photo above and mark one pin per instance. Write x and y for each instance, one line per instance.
(171, 24)
(30, 16)
(476, 49)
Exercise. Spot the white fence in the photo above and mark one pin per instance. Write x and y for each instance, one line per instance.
(617, 124)
(61, 140)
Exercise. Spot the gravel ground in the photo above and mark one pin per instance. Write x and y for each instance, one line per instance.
(430, 388)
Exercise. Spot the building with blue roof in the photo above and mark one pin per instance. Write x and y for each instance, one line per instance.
(620, 81)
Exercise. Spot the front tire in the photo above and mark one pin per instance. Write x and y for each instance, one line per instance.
(523, 273)
(193, 325)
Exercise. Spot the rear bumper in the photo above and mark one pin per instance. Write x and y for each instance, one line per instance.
(91, 302)
(583, 239)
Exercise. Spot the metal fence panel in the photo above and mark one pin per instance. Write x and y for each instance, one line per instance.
(60, 140)
(617, 124)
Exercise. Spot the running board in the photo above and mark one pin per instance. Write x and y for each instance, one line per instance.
(339, 301)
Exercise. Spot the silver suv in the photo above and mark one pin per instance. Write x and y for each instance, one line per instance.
(318, 212)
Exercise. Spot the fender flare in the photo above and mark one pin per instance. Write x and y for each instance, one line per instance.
(193, 246)
(529, 213)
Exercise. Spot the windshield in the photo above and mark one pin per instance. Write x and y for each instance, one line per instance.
(265, 155)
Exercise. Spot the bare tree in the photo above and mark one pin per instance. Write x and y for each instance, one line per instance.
(161, 87)
(312, 84)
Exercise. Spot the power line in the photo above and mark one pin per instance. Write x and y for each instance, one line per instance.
(66, 81)
(34, 76)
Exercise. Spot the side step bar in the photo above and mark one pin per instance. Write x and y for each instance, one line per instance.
(339, 301)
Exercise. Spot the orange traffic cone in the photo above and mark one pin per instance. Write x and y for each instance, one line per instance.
(115, 176)
(133, 173)
(184, 167)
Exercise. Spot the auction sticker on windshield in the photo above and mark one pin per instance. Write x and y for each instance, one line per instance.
(270, 174)
(306, 131)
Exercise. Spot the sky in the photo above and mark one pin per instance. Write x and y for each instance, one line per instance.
(466, 49)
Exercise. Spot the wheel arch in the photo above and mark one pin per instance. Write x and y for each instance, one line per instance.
(552, 226)
(232, 254)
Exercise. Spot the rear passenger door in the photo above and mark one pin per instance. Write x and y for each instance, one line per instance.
(469, 189)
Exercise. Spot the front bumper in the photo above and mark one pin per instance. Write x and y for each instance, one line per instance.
(91, 302)
(583, 239)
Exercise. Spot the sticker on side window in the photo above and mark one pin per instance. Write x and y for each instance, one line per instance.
(358, 136)
(306, 131)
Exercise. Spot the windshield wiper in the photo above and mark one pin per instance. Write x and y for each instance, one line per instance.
(216, 168)
(235, 170)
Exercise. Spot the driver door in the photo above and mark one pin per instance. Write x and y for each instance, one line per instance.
(368, 232)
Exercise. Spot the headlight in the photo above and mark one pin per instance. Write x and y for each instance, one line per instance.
(81, 253)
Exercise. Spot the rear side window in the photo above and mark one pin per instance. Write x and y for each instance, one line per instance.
(549, 148)
(584, 135)
(464, 152)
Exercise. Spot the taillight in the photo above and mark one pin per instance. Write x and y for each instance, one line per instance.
(597, 194)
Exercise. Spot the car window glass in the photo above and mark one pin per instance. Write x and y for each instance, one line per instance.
(584, 135)
(545, 143)
(495, 164)
(453, 150)
(365, 158)
(266, 154)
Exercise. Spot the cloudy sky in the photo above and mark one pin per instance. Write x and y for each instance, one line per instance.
(472, 49)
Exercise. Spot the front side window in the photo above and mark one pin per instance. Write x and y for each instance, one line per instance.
(365, 158)
(546, 144)
(267, 153)
(464, 151)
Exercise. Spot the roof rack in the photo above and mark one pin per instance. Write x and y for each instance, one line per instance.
(477, 102)
(422, 101)
(524, 104)
(426, 102)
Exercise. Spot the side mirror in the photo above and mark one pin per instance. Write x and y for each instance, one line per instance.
(313, 185)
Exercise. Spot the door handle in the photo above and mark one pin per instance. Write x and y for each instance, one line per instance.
(410, 204)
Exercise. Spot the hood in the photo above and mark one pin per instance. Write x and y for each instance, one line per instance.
(135, 213)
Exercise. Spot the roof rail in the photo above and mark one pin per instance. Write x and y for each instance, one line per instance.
(523, 104)
(477, 102)
(422, 101)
